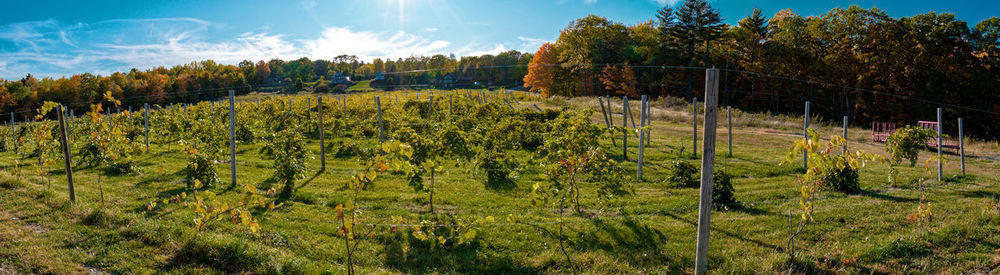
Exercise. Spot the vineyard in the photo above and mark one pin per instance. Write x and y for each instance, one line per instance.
(478, 181)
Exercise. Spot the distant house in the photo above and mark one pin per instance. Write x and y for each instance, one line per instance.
(339, 78)
(445, 81)
(379, 76)
(451, 80)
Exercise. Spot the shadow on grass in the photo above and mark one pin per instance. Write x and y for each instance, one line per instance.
(160, 178)
(309, 180)
(886, 197)
(749, 210)
(979, 194)
(730, 234)
(407, 254)
(630, 241)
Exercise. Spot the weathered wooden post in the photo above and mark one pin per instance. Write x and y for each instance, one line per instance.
(67, 155)
(649, 122)
(430, 106)
(607, 119)
(627, 112)
(805, 133)
(729, 124)
(961, 143)
(232, 136)
(378, 105)
(642, 124)
(145, 122)
(845, 134)
(12, 132)
(694, 125)
(940, 165)
(625, 128)
(707, 170)
(322, 144)
(451, 101)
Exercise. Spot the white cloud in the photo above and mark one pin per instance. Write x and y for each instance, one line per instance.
(531, 44)
(473, 49)
(431, 29)
(369, 45)
(47, 48)
(663, 3)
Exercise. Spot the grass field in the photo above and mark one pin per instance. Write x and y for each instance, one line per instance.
(652, 231)
(361, 86)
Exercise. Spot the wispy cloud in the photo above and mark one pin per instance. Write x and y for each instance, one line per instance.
(663, 3)
(48, 48)
(531, 44)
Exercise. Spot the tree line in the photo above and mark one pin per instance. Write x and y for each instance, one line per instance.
(913, 63)
(209, 80)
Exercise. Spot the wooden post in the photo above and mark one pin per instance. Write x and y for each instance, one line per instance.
(729, 124)
(694, 124)
(322, 145)
(940, 165)
(642, 123)
(232, 136)
(625, 130)
(805, 133)
(145, 121)
(430, 106)
(629, 110)
(451, 101)
(607, 119)
(378, 105)
(649, 122)
(845, 134)
(961, 143)
(707, 170)
(67, 155)
(12, 132)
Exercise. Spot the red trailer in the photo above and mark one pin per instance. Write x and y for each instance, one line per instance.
(945, 142)
(882, 130)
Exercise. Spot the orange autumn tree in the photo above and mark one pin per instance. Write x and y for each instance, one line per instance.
(541, 73)
(620, 79)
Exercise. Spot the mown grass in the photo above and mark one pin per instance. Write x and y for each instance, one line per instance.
(652, 231)
(361, 86)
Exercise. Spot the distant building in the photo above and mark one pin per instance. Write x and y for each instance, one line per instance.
(339, 78)
(451, 80)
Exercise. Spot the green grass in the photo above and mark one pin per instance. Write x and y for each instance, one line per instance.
(652, 231)
(361, 86)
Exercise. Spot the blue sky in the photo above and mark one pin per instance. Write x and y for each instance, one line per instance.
(57, 38)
